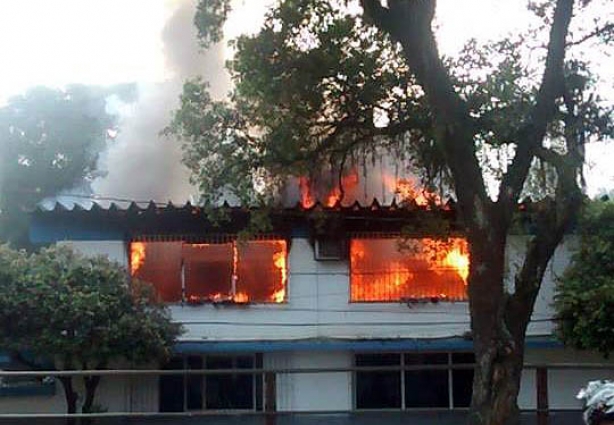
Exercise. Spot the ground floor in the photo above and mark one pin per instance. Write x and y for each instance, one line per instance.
(362, 418)
(299, 386)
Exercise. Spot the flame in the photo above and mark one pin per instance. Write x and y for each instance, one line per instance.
(254, 272)
(348, 182)
(459, 261)
(280, 263)
(240, 298)
(429, 268)
(307, 198)
(235, 268)
(410, 190)
(137, 256)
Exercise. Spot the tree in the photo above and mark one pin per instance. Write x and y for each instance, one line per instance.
(50, 140)
(79, 313)
(326, 83)
(584, 300)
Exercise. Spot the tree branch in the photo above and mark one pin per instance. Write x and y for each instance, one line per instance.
(409, 22)
(532, 135)
(595, 33)
(549, 156)
(379, 15)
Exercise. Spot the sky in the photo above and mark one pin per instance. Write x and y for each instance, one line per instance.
(111, 41)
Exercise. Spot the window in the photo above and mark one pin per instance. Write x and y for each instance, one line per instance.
(228, 271)
(407, 382)
(224, 391)
(378, 389)
(391, 269)
(14, 386)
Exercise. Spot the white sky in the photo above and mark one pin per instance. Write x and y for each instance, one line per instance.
(110, 41)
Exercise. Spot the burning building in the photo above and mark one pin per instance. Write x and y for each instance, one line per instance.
(370, 304)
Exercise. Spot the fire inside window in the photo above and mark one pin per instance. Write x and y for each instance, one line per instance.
(236, 272)
(388, 269)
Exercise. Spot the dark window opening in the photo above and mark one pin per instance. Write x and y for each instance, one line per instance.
(436, 384)
(230, 391)
(462, 379)
(225, 391)
(172, 394)
(426, 388)
(381, 389)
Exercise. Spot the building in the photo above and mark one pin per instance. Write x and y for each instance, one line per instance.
(326, 288)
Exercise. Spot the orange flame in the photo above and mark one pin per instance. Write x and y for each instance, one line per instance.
(307, 198)
(410, 190)
(459, 261)
(280, 262)
(348, 182)
(429, 269)
(240, 298)
(137, 256)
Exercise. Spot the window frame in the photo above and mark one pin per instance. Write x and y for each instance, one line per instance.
(395, 237)
(402, 370)
(213, 239)
(257, 399)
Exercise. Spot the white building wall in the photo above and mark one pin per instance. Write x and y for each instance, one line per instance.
(143, 394)
(527, 396)
(318, 304)
(318, 307)
(312, 391)
(564, 384)
(111, 396)
(34, 404)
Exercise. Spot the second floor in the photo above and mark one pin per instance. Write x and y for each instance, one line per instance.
(360, 280)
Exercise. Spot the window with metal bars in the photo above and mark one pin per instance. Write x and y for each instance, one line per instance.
(397, 270)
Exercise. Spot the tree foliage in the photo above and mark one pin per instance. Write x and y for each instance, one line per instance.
(320, 85)
(333, 83)
(79, 313)
(584, 300)
(50, 140)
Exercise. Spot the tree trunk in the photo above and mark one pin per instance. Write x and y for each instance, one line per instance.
(71, 398)
(496, 385)
(498, 346)
(91, 384)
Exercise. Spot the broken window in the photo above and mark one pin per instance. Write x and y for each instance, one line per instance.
(391, 269)
(229, 271)
(413, 380)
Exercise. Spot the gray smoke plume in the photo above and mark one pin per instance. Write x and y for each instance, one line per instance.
(141, 164)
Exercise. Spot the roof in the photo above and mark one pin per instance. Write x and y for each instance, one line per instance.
(136, 206)
(129, 220)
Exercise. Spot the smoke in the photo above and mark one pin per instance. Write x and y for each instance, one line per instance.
(141, 164)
